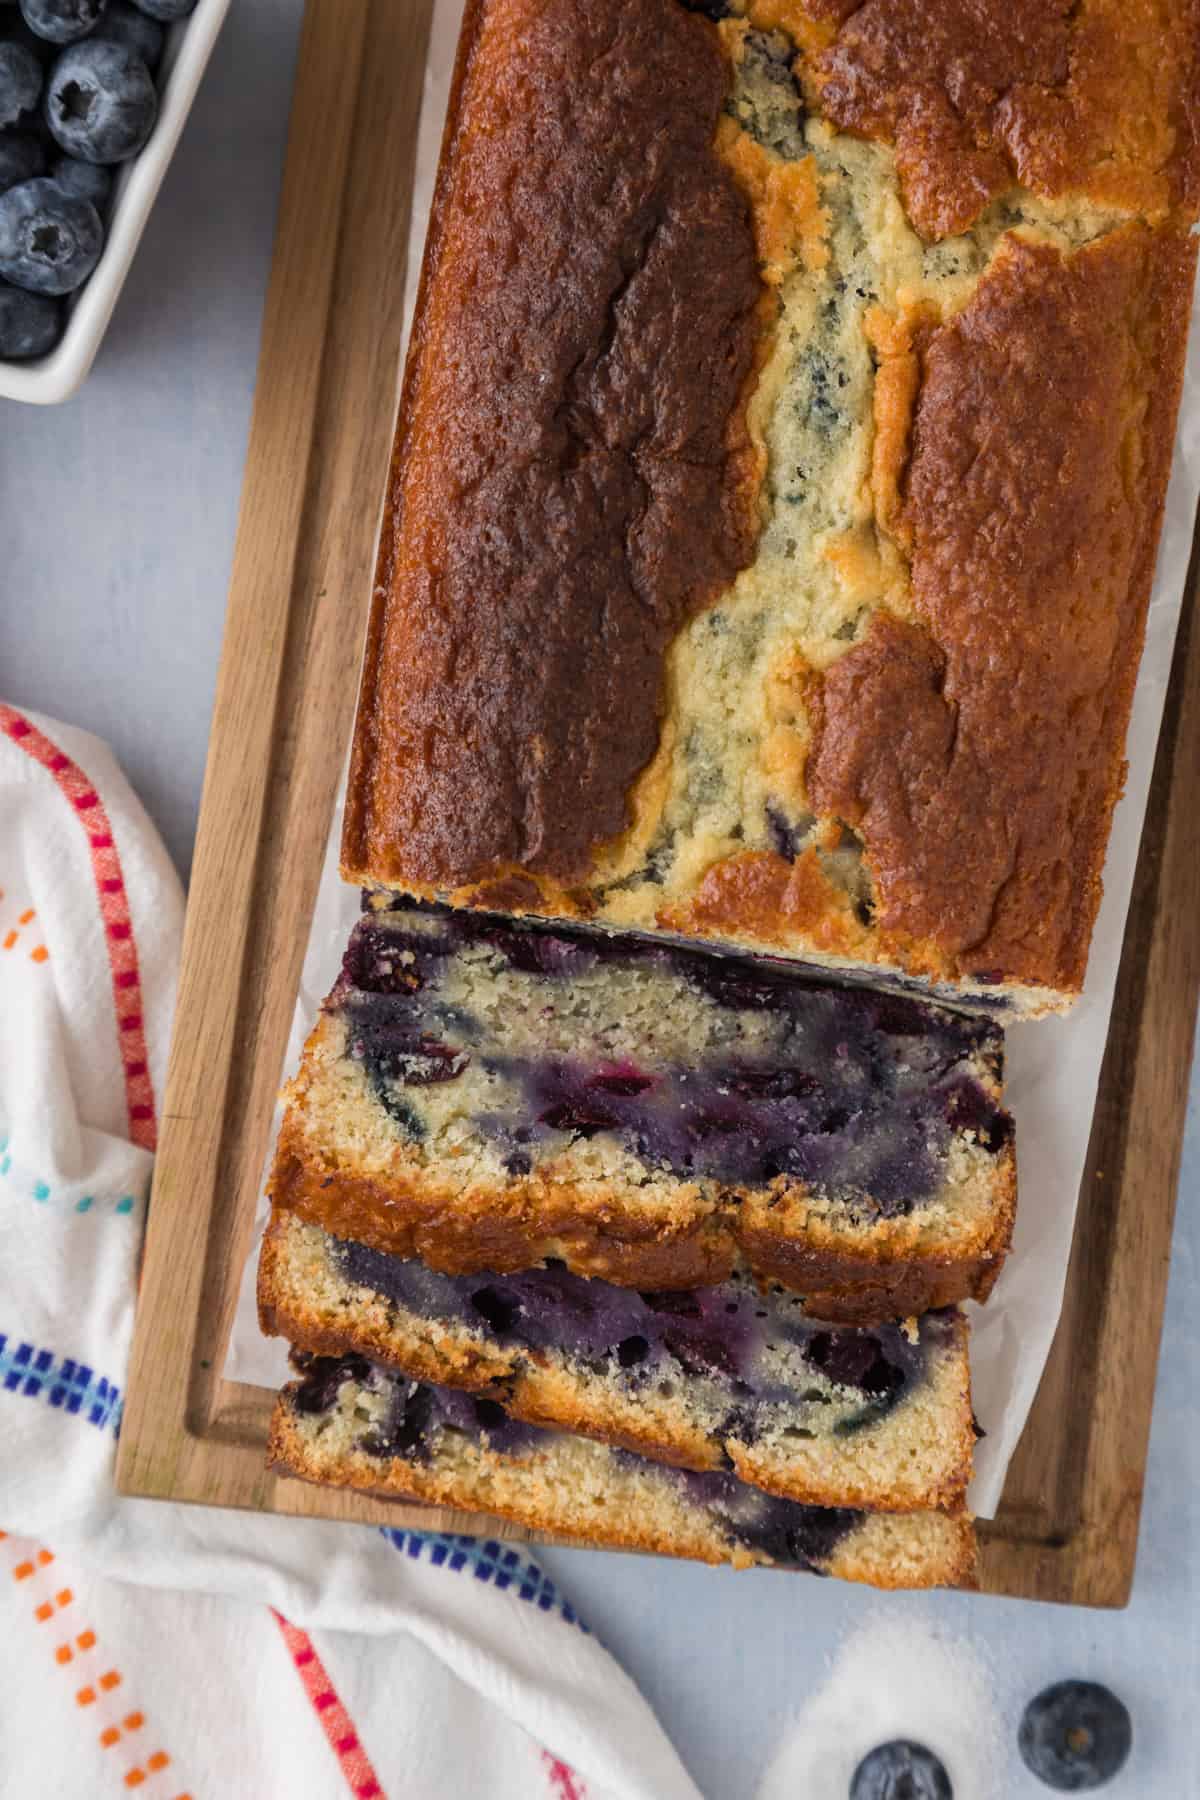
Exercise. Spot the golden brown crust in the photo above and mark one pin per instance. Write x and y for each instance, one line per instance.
(864, 1289)
(487, 1225)
(891, 1269)
(916, 1459)
(1096, 98)
(886, 1550)
(772, 900)
(1041, 444)
(575, 406)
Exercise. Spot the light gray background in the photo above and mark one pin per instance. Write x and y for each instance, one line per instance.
(117, 517)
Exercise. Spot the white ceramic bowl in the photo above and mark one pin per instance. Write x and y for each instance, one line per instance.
(56, 377)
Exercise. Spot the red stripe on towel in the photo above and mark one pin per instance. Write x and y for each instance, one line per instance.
(564, 1782)
(336, 1723)
(88, 808)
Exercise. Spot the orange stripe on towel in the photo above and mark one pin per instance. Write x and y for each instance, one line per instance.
(118, 1723)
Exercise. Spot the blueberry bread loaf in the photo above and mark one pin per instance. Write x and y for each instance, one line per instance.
(726, 1377)
(779, 474)
(349, 1424)
(485, 1094)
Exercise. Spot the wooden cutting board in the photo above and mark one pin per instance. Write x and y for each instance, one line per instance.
(326, 399)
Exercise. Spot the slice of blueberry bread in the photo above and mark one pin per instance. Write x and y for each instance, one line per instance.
(346, 1423)
(486, 1094)
(725, 1377)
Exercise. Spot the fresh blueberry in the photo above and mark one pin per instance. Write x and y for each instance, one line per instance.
(124, 24)
(49, 241)
(101, 102)
(87, 181)
(166, 10)
(61, 21)
(14, 30)
(1075, 1736)
(20, 82)
(900, 1771)
(30, 324)
(21, 158)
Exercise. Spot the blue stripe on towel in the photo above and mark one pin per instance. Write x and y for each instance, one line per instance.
(63, 1382)
(500, 1565)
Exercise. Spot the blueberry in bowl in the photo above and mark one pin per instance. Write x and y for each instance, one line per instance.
(101, 102)
(901, 1770)
(29, 323)
(21, 158)
(124, 24)
(62, 21)
(1075, 1736)
(20, 83)
(167, 10)
(87, 87)
(50, 241)
(87, 181)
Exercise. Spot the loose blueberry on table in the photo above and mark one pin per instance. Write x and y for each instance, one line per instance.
(1075, 1736)
(901, 1770)
(79, 70)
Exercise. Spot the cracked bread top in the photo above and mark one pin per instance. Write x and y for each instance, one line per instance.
(778, 479)
(1094, 98)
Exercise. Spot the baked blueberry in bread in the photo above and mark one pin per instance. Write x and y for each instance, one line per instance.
(779, 473)
(484, 1094)
(727, 1377)
(348, 1424)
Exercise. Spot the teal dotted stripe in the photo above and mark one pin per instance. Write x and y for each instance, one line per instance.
(118, 1205)
(125, 1204)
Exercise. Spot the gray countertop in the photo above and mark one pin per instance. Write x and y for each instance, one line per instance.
(117, 517)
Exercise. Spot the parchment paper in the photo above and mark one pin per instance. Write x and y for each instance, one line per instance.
(1053, 1064)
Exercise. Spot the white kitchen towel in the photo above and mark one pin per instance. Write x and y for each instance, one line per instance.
(197, 1653)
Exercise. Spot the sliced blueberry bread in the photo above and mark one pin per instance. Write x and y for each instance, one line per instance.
(487, 1094)
(723, 1377)
(348, 1424)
